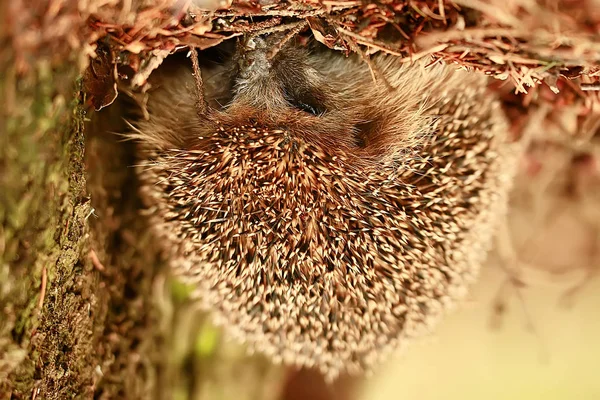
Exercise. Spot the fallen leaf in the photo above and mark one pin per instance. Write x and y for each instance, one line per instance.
(100, 80)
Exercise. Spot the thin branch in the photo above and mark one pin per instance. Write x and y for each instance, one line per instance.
(96, 261)
(589, 87)
(201, 104)
(43, 288)
(294, 30)
(367, 42)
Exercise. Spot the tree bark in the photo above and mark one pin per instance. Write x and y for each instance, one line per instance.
(50, 302)
(87, 309)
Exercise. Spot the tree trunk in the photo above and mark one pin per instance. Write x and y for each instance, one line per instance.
(51, 303)
(86, 307)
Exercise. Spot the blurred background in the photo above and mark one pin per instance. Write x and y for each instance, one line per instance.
(537, 347)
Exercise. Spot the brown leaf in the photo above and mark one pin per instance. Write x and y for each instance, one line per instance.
(100, 80)
(323, 32)
(203, 43)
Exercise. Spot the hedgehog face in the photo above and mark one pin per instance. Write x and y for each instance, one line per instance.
(322, 217)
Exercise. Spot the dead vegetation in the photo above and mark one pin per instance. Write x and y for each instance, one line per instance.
(75, 325)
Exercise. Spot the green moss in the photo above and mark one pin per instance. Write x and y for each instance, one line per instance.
(42, 214)
(180, 291)
(207, 340)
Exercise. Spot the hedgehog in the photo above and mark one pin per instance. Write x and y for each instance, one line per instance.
(323, 217)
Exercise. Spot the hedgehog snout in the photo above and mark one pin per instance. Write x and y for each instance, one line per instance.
(253, 61)
(279, 81)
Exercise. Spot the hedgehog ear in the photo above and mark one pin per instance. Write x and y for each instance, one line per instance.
(365, 131)
(389, 135)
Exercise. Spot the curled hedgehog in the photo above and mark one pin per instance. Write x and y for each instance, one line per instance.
(324, 219)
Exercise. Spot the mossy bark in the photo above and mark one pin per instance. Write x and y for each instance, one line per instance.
(49, 297)
(87, 309)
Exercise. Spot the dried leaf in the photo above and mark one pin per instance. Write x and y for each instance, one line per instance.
(323, 32)
(151, 64)
(100, 80)
(202, 43)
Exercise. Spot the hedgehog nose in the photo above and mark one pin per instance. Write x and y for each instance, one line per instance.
(254, 64)
(254, 60)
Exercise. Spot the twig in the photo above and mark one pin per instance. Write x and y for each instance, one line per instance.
(43, 288)
(282, 28)
(343, 4)
(201, 105)
(375, 72)
(424, 53)
(442, 10)
(465, 34)
(367, 60)
(96, 262)
(367, 42)
(256, 26)
(282, 13)
(153, 62)
(294, 30)
(589, 87)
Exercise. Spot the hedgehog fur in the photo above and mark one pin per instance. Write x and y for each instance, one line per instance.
(322, 218)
